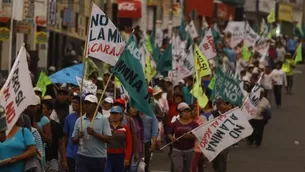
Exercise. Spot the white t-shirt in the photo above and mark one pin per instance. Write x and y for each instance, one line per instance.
(106, 113)
(267, 81)
(279, 76)
(281, 52)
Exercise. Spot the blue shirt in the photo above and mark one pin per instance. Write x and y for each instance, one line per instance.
(15, 146)
(231, 54)
(150, 127)
(292, 45)
(43, 121)
(188, 96)
(68, 130)
(93, 147)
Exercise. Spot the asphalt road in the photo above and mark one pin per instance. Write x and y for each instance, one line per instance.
(283, 148)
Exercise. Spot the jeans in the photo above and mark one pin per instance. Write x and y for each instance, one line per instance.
(134, 164)
(89, 164)
(115, 163)
(147, 155)
(220, 162)
(182, 160)
(258, 132)
(277, 90)
(71, 164)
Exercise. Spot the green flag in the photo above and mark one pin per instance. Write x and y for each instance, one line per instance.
(182, 32)
(165, 63)
(298, 57)
(156, 54)
(43, 82)
(129, 71)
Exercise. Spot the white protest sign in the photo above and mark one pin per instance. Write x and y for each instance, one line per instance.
(192, 30)
(237, 30)
(222, 132)
(207, 45)
(249, 107)
(88, 86)
(18, 91)
(178, 52)
(250, 36)
(104, 40)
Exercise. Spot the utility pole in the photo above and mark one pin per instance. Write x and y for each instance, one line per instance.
(159, 14)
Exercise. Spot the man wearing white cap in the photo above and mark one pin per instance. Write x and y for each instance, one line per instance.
(106, 106)
(91, 154)
(38, 92)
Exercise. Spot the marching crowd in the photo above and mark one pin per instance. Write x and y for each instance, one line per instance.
(61, 131)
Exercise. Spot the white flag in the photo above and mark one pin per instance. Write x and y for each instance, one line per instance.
(237, 30)
(88, 86)
(186, 67)
(222, 132)
(104, 40)
(17, 92)
(249, 107)
(192, 30)
(207, 45)
(250, 36)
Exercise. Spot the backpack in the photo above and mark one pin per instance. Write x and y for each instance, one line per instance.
(267, 114)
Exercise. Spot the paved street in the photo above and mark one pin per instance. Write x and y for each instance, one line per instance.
(280, 151)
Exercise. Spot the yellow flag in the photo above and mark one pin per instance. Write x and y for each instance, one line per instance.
(212, 83)
(149, 70)
(201, 63)
(43, 82)
(246, 53)
(197, 92)
(271, 16)
(271, 33)
(298, 57)
(117, 83)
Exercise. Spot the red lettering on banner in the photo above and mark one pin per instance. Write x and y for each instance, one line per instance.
(216, 122)
(10, 112)
(250, 110)
(6, 93)
(211, 42)
(206, 137)
(107, 49)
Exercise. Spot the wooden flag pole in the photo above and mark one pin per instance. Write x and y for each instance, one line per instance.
(84, 71)
(100, 101)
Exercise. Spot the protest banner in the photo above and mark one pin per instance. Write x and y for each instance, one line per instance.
(227, 88)
(129, 71)
(43, 82)
(222, 132)
(67, 75)
(249, 107)
(88, 86)
(237, 30)
(104, 40)
(207, 45)
(178, 52)
(18, 91)
(250, 36)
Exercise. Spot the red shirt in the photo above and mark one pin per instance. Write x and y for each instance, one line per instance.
(172, 112)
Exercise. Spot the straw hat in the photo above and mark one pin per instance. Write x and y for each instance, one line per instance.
(157, 90)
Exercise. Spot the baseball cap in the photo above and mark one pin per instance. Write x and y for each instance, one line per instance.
(116, 109)
(36, 100)
(47, 97)
(120, 101)
(37, 89)
(183, 106)
(91, 99)
(182, 81)
(108, 100)
(150, 90)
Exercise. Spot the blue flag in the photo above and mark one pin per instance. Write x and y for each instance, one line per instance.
(68, 75)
